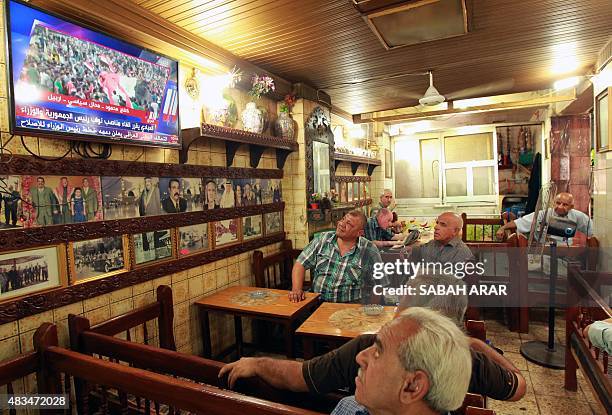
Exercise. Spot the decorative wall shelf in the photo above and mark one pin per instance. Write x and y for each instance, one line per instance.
(351, 179)
(356, 161)
(233, 138)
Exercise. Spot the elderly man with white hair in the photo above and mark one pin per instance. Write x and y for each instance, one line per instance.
(407, 371)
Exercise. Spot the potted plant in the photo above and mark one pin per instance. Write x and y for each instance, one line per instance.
(252, 117)
(314, 200)
(285, 126)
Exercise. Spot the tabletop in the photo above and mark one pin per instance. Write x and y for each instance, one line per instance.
(271, 302)
(341, 320)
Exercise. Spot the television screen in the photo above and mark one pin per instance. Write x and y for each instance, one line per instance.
(68, 80)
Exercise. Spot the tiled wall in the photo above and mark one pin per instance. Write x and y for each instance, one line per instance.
(187, 286)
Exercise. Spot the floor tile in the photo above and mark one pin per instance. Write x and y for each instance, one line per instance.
(554, 405)
(524, 406)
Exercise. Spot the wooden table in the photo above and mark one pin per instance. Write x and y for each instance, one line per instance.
(319, 328)
(281, 311)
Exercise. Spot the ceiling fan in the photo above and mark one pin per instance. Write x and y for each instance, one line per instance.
(433, 97)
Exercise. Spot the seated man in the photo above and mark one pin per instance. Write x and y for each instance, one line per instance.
(378, 229)
(407, 370)
(341, 263)
(447, 246)
(386, 202)
(492, 374)
(564, 207)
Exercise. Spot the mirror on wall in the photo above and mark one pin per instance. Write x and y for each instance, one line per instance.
(320, 165)
(319, 152)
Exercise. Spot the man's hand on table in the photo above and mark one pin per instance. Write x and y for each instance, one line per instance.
(295, 296)
(243, 368)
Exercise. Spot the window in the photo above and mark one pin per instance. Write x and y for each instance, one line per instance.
(438, 168)
(603, 120)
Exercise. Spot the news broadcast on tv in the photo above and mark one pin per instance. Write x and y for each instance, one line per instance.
(67, 79)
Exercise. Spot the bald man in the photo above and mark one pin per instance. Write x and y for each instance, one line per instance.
(564, 207)
(447, 246)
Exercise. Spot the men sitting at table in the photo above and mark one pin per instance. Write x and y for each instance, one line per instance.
(378, 229)
(386, 202)
(492, 374)
(446, 246)
(407, 371)
(341, 263)
(564, 208)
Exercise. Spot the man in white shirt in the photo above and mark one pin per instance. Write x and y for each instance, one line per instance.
(564, 207)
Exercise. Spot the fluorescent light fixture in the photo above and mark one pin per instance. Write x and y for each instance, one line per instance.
(566, 83)
(564, 58)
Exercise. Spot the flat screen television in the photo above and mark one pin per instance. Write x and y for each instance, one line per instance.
(69, 81)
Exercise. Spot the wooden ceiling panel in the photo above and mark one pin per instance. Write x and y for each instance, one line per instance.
(327, 43)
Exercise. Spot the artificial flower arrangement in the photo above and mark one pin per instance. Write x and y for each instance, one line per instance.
(287, 103)
(315, 198)
(260, 85)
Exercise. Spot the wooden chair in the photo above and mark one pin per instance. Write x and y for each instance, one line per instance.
(274, 271)
(479, 229)
(586, 306)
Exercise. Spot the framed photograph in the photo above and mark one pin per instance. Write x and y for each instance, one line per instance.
(31, 271)
(603, 120)
(273, 222)
(130, 197)
(356, 195)
(179, 195)
(210, 198)
(271, 192)
(388, 164)
(10, 212)
(349, 191)
(193, 239)
(153, 246)
(227, 232)
(252, 227)
(98, 258)
(59, 200)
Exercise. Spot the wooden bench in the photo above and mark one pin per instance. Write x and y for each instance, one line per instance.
(50, 362)
(586, 306)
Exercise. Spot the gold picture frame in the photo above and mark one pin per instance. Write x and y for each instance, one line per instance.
(273, 223)
(224, 234)
(32, 271)
(139, 251)
(190, 241)
(98, 258)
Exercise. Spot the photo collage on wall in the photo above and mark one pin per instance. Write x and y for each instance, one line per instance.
(353, 191)
(33, 201)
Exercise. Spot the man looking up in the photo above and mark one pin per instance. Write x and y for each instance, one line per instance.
(341, 263)
(564, 208)
(407, 370)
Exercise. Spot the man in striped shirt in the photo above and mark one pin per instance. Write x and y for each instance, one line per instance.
(341, 263)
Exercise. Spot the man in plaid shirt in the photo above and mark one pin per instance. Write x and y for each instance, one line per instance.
(341, 263)
(378, 229)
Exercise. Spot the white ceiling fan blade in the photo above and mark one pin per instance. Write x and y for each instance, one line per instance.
(503, 85)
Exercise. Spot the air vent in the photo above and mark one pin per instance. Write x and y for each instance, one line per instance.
(398, 24)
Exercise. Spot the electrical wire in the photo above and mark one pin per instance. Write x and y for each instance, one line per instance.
(46, 158)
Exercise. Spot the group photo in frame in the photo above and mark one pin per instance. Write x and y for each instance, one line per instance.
(153, 246)
(60, 200)
(193, 239)
(30, 271)
(98, 258)
(10, 199)
(227, 232)
(252, 227)
(273, 222)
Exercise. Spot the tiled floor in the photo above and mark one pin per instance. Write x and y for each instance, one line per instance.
(545, 392)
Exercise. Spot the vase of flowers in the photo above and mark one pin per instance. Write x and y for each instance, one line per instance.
(252, 117)
(314, 200)
(284, 126)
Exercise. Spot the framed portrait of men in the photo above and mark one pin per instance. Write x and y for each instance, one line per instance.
(32, 271)
(172, 195)
(210, 196)
(10, 202)
(225, 193)
(130, 197)
(248, 191)
(61, 200)
(98, 258)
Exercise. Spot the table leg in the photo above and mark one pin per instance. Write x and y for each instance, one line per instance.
(205, 333)
(238, 335)
(308, 348)
(289, 331)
